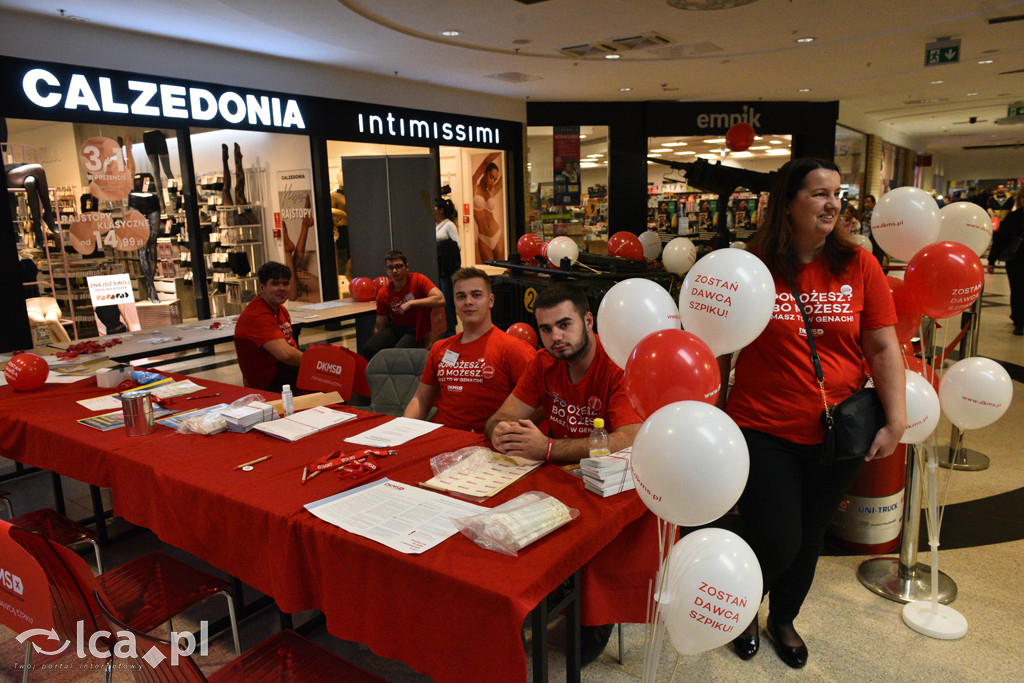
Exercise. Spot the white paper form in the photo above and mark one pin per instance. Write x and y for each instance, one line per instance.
(405, 518)
(322, 305)
(394, 433)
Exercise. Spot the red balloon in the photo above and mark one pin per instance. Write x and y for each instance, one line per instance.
(944, 278)
(908, 317)
(528, 246)
(668, 366)
(920, 367)
(525, 332)
(26, 371)
(381, 281)
(626, 245)
(740, 137)
(363, 289)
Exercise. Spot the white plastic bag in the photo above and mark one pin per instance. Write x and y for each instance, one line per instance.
(516, 524)
(209, 422)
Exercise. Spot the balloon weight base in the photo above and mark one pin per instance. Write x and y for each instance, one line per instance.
(942, 622)
(968, 461)
(882, 576)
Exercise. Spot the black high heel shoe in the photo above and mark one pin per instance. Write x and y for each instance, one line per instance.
(746, 645)
(795, 657)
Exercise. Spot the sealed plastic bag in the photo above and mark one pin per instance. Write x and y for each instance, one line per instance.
(460, 462)
(516, 524)
(210, 420)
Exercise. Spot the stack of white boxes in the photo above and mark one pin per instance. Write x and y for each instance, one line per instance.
(246, 417)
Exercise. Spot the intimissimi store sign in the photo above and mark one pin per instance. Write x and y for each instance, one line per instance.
(63, 92)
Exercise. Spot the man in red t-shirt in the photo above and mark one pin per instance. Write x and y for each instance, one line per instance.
(267, 352)
(469, 375)
(402, 308)
(574, 382)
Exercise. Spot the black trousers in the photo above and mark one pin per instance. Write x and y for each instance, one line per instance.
(786, 506)
(402, 337)
(1015, 273)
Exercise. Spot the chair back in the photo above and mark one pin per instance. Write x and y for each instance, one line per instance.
(149, 649)
(393, 376)
(48, 585)
(327, 368)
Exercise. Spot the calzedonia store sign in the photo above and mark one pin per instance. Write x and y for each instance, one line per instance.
(63, 92)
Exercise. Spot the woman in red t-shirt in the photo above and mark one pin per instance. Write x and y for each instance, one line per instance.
(790, 497)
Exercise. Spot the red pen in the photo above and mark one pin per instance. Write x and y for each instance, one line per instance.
(192, 398)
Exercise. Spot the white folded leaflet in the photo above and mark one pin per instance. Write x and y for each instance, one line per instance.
(606, 475)
(394, 433)
(304, 423)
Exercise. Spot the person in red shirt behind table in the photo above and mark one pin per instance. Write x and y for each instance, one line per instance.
(574, 381)
(776, 400)
(400, 305)
(268, 354)
(469, 375)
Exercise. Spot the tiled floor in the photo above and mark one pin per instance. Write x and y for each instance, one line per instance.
(852, 635)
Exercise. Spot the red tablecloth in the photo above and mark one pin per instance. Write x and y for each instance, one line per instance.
(453, 613)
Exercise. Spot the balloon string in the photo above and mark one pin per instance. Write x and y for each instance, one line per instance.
(946, 351)
(949, 475)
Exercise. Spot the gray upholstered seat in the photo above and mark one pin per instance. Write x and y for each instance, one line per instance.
(393, 376)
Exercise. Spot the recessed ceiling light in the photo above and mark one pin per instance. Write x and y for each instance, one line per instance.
(937, 82)
(661, 149)
(777, 142)
(715, 141)
(587, 164)
(803, 90)
(758, 147)
(985, 61)
(758, 137)
(652, 154)
(612, 56)
(594, 156)
(971, 94)
(806, 39)
(741, 154)
(624, 89)
(451, 33)
(675, 144)
(777, 152)
(582, 135)
(683, 153)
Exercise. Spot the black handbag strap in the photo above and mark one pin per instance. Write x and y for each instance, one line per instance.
(814, 351)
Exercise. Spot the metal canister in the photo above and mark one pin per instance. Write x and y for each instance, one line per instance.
(137, 407)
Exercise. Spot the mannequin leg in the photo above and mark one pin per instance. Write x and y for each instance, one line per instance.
(147, 256)
(156, 179)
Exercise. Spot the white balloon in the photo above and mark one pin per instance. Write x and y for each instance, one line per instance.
(630, 311)
(651, 242)
(975, 392)
(966, 223)
(727, 299)
(690, 463)
(738, 245)
(563, 247)
(923, 410)
(862, 241)
(712, 590)
(679, 255)
(905, 220)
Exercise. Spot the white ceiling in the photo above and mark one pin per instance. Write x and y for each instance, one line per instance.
(868, 54)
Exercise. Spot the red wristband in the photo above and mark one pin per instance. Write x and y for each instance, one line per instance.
(547, 456)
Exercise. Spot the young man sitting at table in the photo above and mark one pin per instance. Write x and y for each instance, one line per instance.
(574, 382)
(469, 375)
(268, 354)
(403, 308)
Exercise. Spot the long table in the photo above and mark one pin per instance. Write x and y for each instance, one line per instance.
(203, 333)
(454, 612)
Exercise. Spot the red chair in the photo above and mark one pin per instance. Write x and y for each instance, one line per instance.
(327, 368)
(286, 656)
(146, 591)
(59, 529)
(7, 501)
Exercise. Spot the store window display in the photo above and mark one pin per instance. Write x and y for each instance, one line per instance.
(488, 207)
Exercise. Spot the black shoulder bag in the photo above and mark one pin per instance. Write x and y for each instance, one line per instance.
(851, 425)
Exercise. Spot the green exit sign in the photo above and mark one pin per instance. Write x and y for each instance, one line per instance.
(1015, 109)
(942, 52)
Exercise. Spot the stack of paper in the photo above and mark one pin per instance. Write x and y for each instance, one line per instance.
(303, 423)
(244, 418)
(607, 475)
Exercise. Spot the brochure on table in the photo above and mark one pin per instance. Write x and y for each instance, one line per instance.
(403, 517)
(394, 433)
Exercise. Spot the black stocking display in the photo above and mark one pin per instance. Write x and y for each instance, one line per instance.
(32, 178)
(155, 143)
(147, 204)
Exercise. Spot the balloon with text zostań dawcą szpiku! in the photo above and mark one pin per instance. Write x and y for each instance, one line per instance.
(975, 392)
(690, 463)
(711, 591)
(922, 368)
(668, 366)
(381, 281)
(944, 279)
(923, 410)
(528, 246)
(904, 221)
(363, 289)
(651, 242)
(908, 317)
(679, 255)
(630, 311)
(560, 248)
(625, 244)
(26, 371)
(727, 299)
(966, 223)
